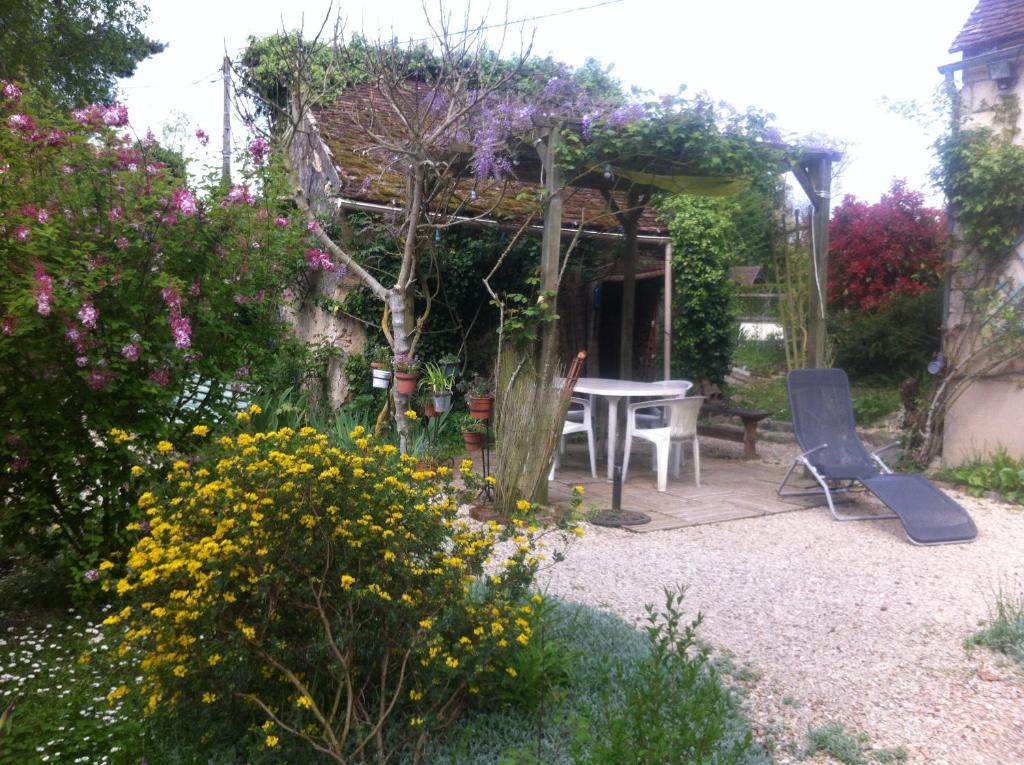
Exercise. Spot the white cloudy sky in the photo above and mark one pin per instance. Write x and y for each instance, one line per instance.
(821, 66)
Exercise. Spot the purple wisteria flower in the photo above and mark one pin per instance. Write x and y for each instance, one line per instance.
(131, 351)
(318, 260)
(204, 139)
(184, 201)
(258, 149)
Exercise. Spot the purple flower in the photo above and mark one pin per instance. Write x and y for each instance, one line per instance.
(194, 289)
(12, 91)
(88, 315)
(132, 351)
(240, 194)
(44, 290)
(258, 149)
(181, 328)
(161, 376)
(281, 221)
(22, 233)
(121, 243)
(184, 202)
(91, 575)
(8, 325)
(67, 169)
(82, 361)
(21, 122)
(202, 136)
(115, 115)
(115, 214)
(98, 379)
(43, 216)
(318, 260)
(313, 226)
(171, 297)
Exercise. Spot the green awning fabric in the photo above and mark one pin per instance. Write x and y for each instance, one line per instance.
(698, 185)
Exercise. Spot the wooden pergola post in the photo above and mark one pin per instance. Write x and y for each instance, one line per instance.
(551, 238)
(814, 174)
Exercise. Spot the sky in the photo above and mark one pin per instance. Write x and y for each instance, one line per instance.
(820, 66)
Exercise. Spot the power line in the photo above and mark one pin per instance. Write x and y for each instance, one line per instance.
(566, 12)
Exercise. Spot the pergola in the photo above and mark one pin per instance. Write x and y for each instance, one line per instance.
(623, 189)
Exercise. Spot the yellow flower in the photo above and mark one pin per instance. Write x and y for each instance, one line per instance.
(244, 417)
(411, 414)
(577, 489)
(256, 409)
(304, 701)
(466, 466)
(146, 500)
(578, 531)
(272, 741)
(214, 660)
(164, 446)
(357, 431)
(523, 505)
(117, 693)
(347, 581)
(415, 695)
(105, 565)
(511, 671)
(209, 698)
(427, 623)
(137, 471)
(451, 661)
(416, 721)
(200, 430)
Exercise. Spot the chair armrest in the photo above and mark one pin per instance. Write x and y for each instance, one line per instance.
(815, 449)
(876, 458)
(652, 404)
(584, 402)
(885, 448)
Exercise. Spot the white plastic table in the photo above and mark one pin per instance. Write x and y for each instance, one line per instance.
(613, 390)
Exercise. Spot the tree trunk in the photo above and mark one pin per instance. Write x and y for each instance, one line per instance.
(400, 340)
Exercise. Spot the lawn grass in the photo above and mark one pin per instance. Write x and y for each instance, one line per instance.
(1004, 631)
(872, 402)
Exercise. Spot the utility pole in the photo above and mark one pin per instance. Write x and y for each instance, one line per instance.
(225, 172)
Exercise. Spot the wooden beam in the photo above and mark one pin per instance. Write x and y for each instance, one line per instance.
(820, 176)
(666, 328)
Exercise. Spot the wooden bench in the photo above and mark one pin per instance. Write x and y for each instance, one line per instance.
(747, 435)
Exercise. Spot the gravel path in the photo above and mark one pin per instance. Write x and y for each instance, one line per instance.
(843, 622)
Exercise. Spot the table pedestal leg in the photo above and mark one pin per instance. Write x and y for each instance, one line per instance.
(613, 428)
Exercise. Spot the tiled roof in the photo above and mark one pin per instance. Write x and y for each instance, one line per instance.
(991, 22)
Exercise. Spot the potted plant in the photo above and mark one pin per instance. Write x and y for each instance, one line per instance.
(474, 433)
(449, 362)
(427, 404)
(439, 383)
(380, 368)
(407, 372)
(480, 397)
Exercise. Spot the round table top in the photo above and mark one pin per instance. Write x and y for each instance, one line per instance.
(606, 387)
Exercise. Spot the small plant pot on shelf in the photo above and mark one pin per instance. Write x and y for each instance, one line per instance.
(480, 407)
(474, 441)
(381, 378)
(405, 382)
(443, 401)
(429, 410)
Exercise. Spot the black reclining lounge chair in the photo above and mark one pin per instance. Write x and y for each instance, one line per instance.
(835, 457)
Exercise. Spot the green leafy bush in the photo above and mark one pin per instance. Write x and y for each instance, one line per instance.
(317, 598)
(1000, 473)
(897, 339)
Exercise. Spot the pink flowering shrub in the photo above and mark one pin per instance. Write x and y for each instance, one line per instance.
(129, 301)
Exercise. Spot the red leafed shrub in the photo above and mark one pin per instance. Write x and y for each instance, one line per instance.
(877, 252)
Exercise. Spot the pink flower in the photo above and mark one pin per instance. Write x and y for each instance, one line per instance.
(194, 289)
(181, 328)
(115, 115)
(4, 168)
(131, 351)
(42, 216)
(202, 136)
(258, 149)
(98, 378)
(88, 315)
(82, 361)
(22, 233)
(313, 226)
(240, 194)
(161, 376)
(21, 122)
(184, 202)
(44, 290)
(121, 243)
(318, 260)
(8, 325)
(281, 221)
(115, 214)
(150, 139)
(67, 169)
(171, 297)
(12, 91)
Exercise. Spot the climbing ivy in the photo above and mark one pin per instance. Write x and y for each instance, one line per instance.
(981, 171)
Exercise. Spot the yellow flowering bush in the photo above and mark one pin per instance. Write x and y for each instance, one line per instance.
(336, 595)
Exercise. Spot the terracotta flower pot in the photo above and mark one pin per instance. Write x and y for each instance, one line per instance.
(406, 382)
(474, 441)
(480, 407)
(381, 378)
(428, 408)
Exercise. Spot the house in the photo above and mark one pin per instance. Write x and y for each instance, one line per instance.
(989, 413)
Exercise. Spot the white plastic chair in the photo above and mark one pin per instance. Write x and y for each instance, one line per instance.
(585, 424)
(681, 427)
(651, 417)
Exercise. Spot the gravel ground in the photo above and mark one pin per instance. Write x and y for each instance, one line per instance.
(842, 622)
